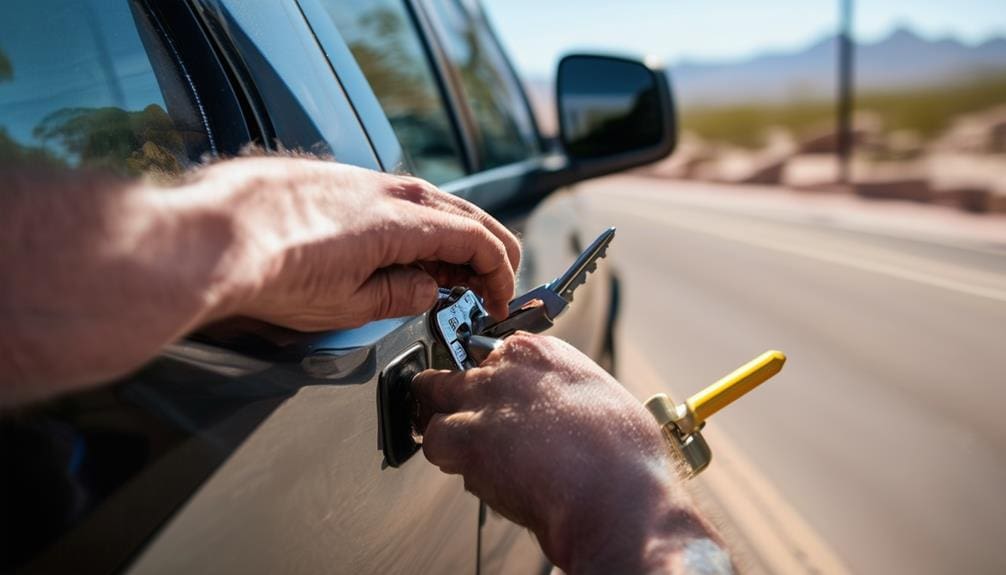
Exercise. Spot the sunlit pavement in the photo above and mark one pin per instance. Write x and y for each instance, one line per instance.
(883, 437)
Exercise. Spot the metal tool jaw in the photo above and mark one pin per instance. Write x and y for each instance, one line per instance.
(685, 440)
(461, 323)
(537, 310)
(457, 315)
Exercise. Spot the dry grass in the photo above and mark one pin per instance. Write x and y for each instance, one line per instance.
(926, 111)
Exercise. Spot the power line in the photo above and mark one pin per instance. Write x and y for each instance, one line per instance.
(846, 57)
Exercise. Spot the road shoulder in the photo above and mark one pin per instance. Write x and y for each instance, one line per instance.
(765, 533)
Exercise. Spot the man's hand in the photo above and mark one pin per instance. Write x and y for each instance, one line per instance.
(328, 245)
(101, 273)
(551, 441)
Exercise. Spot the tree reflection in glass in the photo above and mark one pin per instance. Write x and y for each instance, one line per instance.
(130, 142)
(77, 87)
(6, 70)
(387, 47)
(506, 133)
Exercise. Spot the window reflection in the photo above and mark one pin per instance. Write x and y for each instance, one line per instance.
(6, 72)
(387, 47)
(77, 88)
(506, 134)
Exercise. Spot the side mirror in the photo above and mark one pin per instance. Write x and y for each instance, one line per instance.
(614, 114)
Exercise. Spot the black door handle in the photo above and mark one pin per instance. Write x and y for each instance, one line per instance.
(397, 408)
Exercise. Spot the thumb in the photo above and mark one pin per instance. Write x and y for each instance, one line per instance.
(395, 292)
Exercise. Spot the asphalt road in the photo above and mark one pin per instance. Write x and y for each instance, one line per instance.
(886, 431)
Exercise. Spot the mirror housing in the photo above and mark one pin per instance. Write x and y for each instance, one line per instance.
(614, 113)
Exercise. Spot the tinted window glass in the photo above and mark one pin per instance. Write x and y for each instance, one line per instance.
(383, 38)
(506, 134)
(90, 83)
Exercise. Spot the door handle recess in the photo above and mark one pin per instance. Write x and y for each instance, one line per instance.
(397, 408)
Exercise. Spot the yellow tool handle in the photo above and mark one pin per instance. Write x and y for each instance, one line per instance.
(731, 387)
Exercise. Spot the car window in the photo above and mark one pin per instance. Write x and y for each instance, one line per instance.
(78, 87)
(506, 133)
(383, 38)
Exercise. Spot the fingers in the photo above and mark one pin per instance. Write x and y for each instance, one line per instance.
(450, 275)
(447, 441)
(395, 292)
(509, 240)
(440, 391)
(453, 239)
(525, 347)
(421, 192)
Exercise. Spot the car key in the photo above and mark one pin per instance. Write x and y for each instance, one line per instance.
(461, 323)
(537, 310)
(459, 319)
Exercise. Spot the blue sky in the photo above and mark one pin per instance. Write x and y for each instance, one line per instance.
(536, 32)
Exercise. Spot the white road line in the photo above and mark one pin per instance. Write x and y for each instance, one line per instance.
(860, 264)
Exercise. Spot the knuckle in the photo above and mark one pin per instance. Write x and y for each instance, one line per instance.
(433, 438)
(525, 338)
(501, 250)
(385, 304)
(515, 257)
(495, 247)
(485, 386)
(486, 245)
(415, 190)
(468, 226)
(420, 383)
(445, 441)
(403, 187)
(477, 213)
(417, 291)
(525, 345)
(552, 343)
(429, 189)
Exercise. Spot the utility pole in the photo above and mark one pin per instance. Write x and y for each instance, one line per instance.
(845, 89)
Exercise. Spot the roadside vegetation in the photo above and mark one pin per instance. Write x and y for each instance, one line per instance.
(925, 111)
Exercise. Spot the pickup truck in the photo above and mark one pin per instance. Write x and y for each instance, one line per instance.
(253, 449)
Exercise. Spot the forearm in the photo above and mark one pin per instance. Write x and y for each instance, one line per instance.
(648, 526)
(675, 542)
(100, 274)
(582, 464)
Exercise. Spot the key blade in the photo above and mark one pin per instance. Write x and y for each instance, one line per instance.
(537, 310)
(534, 311)
(584, 265)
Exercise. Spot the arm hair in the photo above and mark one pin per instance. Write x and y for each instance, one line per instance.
(99, 273)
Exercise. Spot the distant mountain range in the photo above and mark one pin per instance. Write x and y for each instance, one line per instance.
(902, 60)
